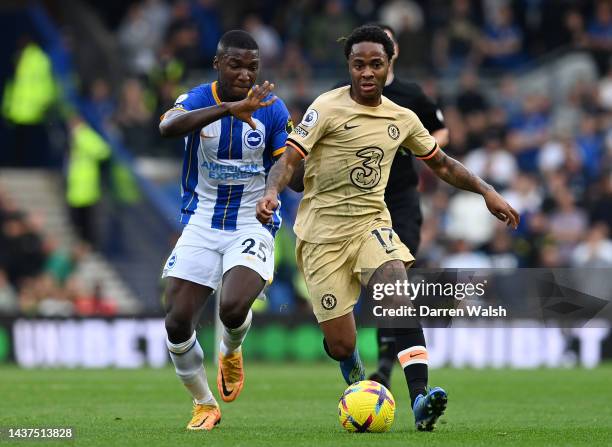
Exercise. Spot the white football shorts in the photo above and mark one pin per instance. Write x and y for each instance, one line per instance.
(203, 255)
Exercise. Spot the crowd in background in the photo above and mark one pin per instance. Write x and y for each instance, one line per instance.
(550, 157)
(37, 276)
(167, 45)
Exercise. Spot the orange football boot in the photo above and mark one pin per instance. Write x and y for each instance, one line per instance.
(205, 417)
(230, 376)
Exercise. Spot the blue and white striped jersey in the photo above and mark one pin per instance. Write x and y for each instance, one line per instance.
(226, 163)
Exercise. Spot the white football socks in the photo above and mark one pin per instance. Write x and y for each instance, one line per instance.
(232, 338)
(188, 360)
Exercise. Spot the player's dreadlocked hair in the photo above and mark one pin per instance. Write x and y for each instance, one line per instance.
(236, 39)
(369, 33)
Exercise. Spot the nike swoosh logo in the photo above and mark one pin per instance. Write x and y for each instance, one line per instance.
(202, 423)
(226, 393)
(347, 127)
(414, 355)
(390, 250)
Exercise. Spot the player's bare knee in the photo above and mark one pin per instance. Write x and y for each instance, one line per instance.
(388, 273)
(233, 314)
(178, 327)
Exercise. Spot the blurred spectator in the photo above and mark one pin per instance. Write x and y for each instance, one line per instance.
(599, 35)
(205, 14)
(167, 92)
(524, 195)
(567, 118)
(267, 39)
(94, 304)
(407, 20)
(99, 103)
(470, 99)
(61, 262)
(600, 200)
(22, 248)
(133, 117)
(560, 153)
(590, 145)
(473, 105)
(293, 63)
(474, 227)
(501, 251)
(141, 33)
(550, 256)
(455, 45)
(605, 91)
(502, 42)
(26, 101)
(323, 32)
(52, 301)
(8, 297)
(37, 276)
(463, 255)
(84, 184)
(575, 30)
(431, 249)
(567, 224)
(529, 131)
(399, 13)
(596, 250)
(181, 45)
(509, 98)
(492, 162)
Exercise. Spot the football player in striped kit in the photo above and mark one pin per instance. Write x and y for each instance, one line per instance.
(233, 130)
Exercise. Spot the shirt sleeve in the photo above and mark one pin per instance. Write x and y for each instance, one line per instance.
(311, 129)
(282, 126)
(419, 141)
(192, 100)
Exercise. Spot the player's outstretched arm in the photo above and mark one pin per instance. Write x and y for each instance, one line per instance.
(278, 178)
(178, 122)
(454, 173)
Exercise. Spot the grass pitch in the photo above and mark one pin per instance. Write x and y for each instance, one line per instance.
(295, 405)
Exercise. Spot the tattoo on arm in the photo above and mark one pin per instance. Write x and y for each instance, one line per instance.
(282, 171)
(454, 173)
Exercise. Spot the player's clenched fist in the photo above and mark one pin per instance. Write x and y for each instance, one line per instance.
(265, 207)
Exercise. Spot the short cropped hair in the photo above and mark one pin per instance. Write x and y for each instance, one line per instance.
(236, 39)
(369, 33)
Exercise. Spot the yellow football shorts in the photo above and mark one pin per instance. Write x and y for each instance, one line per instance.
(333, 271)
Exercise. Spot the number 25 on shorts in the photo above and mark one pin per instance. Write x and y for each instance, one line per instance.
(250, 244)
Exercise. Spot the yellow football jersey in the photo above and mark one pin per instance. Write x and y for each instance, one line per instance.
(350, 148)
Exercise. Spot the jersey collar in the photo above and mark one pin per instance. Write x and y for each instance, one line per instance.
(213, 87)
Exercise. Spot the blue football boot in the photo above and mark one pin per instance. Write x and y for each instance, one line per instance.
(427, 409)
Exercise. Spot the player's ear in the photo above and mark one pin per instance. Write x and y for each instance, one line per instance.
(216, 63)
